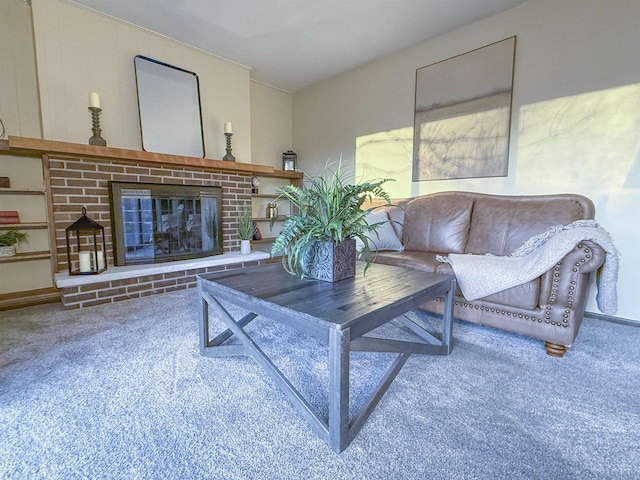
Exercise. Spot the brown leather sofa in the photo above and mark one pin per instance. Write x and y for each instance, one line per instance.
(550, 307)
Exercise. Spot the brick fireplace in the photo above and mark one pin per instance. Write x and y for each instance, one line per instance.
(78, 182)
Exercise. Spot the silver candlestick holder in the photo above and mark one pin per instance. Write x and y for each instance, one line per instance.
(228, 157)
(96, 139)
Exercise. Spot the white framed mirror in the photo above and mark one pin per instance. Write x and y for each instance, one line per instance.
(169, 107)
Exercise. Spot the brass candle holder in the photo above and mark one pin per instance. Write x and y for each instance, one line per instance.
(96, 139)
(228, 157)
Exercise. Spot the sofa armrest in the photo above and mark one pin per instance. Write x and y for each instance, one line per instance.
(564, 288)
(593, 258)
(586, 257)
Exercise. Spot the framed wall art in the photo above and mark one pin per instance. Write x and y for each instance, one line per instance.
(463, 114)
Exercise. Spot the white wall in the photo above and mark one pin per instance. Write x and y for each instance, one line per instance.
(271, 124)
(79, 51)
(576, 112)
(19, 109)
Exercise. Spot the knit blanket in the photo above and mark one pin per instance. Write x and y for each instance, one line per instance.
(482, 275)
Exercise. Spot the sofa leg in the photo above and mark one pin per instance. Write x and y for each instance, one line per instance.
(554, 349)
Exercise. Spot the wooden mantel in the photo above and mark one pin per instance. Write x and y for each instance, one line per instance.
(36, 146)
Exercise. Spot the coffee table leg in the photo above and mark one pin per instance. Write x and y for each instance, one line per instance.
(249, 347)
(447, 320)
(204, 323)
(339, 388)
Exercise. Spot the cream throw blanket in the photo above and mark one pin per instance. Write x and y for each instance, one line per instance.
(483, 275)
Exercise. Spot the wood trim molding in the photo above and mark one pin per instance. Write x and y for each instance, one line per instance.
(29, 298)
(46, 176)
(36, 146)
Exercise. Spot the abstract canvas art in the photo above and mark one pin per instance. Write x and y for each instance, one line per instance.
(463, 114)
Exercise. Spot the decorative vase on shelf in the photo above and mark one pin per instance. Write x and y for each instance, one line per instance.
(8, 241)
(245, 247)
(246, 229)
(7, 251)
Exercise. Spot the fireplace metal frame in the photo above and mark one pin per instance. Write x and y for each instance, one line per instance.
(162, 192)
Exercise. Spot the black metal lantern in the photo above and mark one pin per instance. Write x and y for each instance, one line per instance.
(289, 161)
(84, 255)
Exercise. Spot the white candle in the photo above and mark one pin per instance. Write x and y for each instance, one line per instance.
(94, 100)
(228, 127)
(85, 262)
(100, 259)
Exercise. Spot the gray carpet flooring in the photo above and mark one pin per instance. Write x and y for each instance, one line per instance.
(119, 391)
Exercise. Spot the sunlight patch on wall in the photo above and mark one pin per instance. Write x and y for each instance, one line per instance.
(589, 142)
(471, 143)
(387, 155)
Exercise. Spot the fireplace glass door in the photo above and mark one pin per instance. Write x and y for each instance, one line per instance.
(154, 223)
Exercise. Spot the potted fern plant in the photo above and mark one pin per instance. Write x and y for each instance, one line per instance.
(246, 229)
(319, 240)
(8, 241)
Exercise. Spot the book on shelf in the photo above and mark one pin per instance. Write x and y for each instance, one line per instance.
(8, 217)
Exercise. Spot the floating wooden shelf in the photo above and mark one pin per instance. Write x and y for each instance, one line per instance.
(21, 257)
(265, 195)
(280, 218)
(274, 259)
(21, 191)
(24, 226)
(283, 174)
(265, 240)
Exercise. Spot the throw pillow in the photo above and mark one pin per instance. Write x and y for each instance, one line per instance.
(384, 238)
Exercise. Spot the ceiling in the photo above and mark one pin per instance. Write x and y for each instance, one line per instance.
(290, 44)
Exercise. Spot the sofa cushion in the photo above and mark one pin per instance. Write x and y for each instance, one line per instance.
(521, 296)
(437, 223)
(500, 225)
(424, 261)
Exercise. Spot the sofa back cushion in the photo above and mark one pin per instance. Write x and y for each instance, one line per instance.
(500, 224)
(437, 223)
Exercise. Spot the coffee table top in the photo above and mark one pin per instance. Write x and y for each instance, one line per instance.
(369, 301)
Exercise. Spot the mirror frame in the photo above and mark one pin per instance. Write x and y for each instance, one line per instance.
(169, 108)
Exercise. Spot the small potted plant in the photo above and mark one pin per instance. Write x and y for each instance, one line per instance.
(319, 240)
(8, 241)
(246, 229)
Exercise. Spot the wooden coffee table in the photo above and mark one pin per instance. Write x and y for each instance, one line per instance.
(339, 313)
